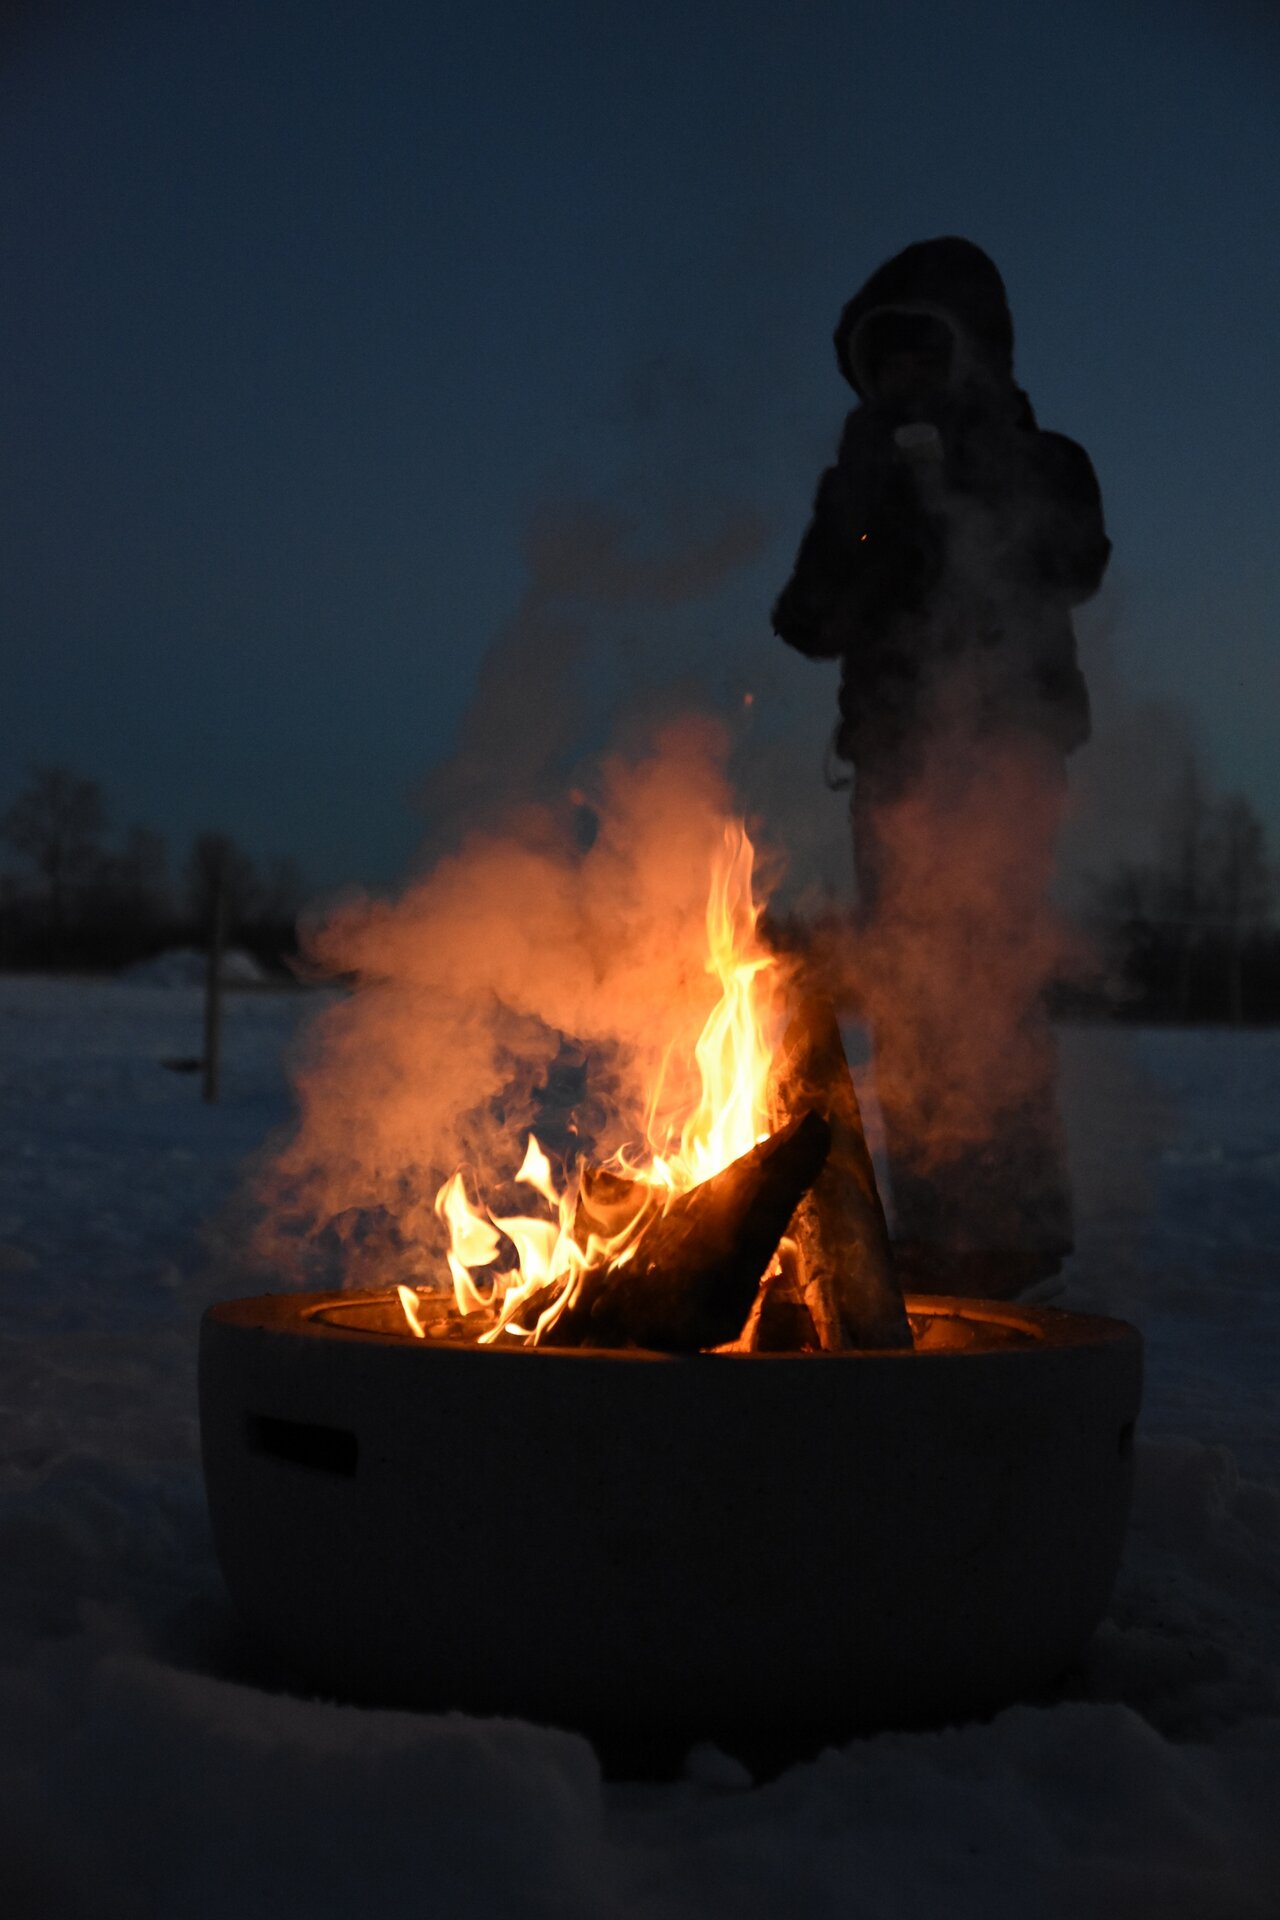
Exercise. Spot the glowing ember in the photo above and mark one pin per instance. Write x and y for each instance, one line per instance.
(687, 1140)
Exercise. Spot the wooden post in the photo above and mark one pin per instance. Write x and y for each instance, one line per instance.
(213, 980)
(1235, 978)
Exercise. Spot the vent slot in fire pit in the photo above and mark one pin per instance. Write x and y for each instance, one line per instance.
(302, 1444)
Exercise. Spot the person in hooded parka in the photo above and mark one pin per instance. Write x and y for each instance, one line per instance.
(948, 544)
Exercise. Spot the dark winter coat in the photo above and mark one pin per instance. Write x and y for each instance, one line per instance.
(953, 581)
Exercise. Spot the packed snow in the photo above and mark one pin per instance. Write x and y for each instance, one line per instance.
(150, 1769)
(187, 967)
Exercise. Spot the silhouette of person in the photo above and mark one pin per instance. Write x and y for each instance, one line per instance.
(948, 544)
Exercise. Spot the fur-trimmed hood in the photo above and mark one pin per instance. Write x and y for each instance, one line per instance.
(949, 279)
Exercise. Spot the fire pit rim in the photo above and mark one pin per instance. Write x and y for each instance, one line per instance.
(1043, 1329)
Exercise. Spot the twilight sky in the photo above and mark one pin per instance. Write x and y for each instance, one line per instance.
(325, 323)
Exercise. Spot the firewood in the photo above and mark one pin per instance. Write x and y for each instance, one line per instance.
(780, 1320)
(839, 1227)
(694, 1273)
(609, 1202)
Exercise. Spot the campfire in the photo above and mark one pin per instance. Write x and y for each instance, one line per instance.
(625, 1424)
(749, 1219)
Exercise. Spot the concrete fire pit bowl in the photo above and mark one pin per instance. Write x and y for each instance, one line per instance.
(752, 1548)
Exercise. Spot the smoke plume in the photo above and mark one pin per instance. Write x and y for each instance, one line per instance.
(567, 949)
(551, 948)
(556, 679)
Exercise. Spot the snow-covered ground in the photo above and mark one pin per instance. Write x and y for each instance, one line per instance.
(144, 1773)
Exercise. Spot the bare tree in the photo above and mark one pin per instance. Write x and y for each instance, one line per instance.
(138, 878)
(1191, 927)
(1183, 870)
(1240, 874)
(1240, 885)
(57, 823)
(281, 894)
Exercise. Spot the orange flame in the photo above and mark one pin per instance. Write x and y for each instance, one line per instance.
(689, 1136)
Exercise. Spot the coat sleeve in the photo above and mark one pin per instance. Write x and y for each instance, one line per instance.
(1061, 687)
(801, 613)
(869, 551)
(1067, 548)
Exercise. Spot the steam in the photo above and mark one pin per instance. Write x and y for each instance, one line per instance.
(1124, 781)
(575, 936)
(957, 946)
(561, 658)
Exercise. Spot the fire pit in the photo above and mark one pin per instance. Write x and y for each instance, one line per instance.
(741, 1546)
(638, 1434)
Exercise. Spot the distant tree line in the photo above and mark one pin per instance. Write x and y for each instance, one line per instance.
(1189, 935)
(72, 896)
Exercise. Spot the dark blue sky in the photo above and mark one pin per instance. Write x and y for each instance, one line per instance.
(309, 310)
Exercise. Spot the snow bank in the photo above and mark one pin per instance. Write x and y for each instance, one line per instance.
(183, 1795)
(150, 1764)
(225, 1800)
(187, 966)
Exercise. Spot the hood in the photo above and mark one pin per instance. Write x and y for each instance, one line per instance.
(950, 280)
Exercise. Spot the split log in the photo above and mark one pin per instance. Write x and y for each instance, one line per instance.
(780, 1320)
(696, 1268)
(839, 1228)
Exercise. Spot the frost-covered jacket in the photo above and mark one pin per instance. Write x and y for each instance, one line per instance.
(950, 583)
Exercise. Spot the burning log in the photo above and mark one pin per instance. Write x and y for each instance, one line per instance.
(696, 1268)
(780, 1320)
(846, 1263)
(610, 1203)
